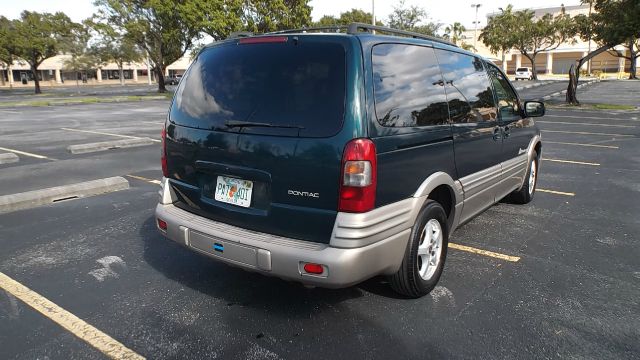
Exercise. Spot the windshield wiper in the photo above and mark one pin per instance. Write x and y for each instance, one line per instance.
(241, 124)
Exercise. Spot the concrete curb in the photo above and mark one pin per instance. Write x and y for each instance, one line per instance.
(31, 199)
(547, 82)
(108, 145)
(8, 158)
(558, 93)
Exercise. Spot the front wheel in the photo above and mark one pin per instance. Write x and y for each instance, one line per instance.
(528, 190)
(425, 254)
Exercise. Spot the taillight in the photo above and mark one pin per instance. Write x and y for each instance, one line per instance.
(359, 177)
(263, 40)
(163, 158)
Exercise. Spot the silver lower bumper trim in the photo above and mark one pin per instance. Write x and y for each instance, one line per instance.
(280, 256)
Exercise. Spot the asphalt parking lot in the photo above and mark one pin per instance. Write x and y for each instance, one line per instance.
(558, 278)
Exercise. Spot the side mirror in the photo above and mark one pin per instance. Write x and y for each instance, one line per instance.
(534, 108)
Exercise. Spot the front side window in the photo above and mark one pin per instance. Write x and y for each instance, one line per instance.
(408, 86)
(468, 88)
(508, 106)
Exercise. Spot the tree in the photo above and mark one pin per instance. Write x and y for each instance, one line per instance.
(411, 19)
(346, 18)
(217, 18)
(111, 46)
(454, 33)
(6, 53)
(39, 36)
(614, 22)
(262, 16)
(163, 29)
(530, 36)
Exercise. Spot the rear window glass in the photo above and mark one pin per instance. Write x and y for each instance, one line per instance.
(297, 88)
(522, 69)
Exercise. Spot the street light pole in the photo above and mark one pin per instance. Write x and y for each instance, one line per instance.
(475, 27)
(373, 12)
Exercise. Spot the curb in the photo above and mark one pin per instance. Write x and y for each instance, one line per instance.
(108, 145)
(547, 82)
(31, 199)
(8, 158)
(558, 93)
(79, 102)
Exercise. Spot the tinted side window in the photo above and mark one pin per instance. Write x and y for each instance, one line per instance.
(468, 88)
(507, 100)
(408, 86)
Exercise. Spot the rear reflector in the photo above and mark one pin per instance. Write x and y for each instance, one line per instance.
(263, 40)
(359, 177)
(162, 224)
(316, 269)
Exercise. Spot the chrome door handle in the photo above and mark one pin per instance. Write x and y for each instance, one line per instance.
(507, 131)
(496, 134)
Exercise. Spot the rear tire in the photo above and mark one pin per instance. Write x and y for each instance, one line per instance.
(528, 190)
(425, 254)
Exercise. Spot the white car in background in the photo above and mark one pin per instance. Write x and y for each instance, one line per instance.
(524, 73)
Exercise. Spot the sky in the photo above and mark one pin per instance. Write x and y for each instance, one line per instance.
(445, 12)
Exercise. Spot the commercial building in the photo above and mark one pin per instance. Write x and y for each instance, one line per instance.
(556, 61)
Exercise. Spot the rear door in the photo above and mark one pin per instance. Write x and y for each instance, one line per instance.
(476, 132)
(256, 133)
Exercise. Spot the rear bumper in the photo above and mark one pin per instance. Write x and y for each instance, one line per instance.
(283, 257)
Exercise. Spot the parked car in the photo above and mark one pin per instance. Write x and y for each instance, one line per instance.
(174, 79)
(524, 73)
(328, 159)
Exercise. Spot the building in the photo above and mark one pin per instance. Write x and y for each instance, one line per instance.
(557, 61)
(53, 72)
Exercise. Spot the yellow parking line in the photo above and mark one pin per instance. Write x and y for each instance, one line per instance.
(157, 182)
(572, 162)
(484, 252)
(556, 192)
(588, 124)
(587, 133)
(94, 337)
(579, 144)
(106, 133)
(26, 153)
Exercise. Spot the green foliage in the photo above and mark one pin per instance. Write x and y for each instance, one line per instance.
(111, 46)
(454, 33)
(347, 17)
(6, 53)
(37, 36)
(164, 29)
(521, 31)
(217, 18)
(613, 22)
(412, 18)
(262, 16)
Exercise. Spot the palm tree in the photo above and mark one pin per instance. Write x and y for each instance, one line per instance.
(454, 33)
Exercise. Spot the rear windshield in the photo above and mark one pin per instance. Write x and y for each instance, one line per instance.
(297, 88)
(522, 69)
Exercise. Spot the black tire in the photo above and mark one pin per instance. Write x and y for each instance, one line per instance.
(408, 281)
(527, 192)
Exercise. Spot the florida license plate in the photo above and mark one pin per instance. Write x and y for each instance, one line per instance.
(234, 191)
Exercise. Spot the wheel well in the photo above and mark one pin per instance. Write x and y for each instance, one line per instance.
(538, 149)
(443, 195)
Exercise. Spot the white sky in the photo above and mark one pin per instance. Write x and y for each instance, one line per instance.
(447, 11)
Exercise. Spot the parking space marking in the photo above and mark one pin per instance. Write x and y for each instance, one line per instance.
(108, 134)
(590, 117)
(579, 144)
(157, 182)
(484, 252)
(572, 162)
(556, 192)
(152, 122)
(94, 337)
(586, 124)
(27, 154)
(586, 133)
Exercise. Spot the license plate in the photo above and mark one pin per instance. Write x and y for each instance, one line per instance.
(234, 191)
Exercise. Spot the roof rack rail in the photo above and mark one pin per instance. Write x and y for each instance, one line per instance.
(354, 28)
(333, 28)
(240, 34)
